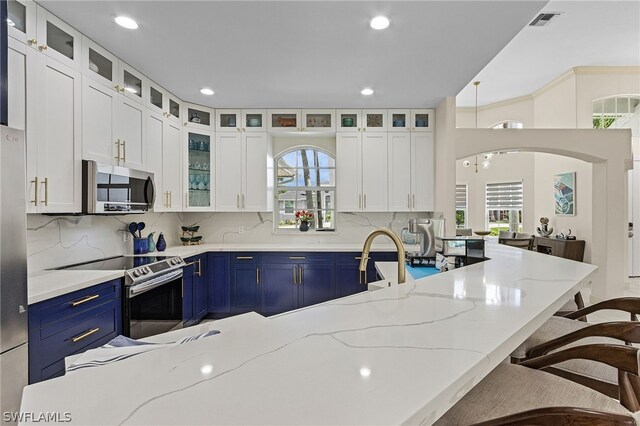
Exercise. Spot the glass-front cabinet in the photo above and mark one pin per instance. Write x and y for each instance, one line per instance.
(57, 40)
(162, 102)
(21, 21)
(399, 120)
(374, 119)
(422, 120)
(245, 120)
(318, 120)
(348, 120)
(198, 117)
(100, 65)
(284, 120)
(199, 176)
(355, 120)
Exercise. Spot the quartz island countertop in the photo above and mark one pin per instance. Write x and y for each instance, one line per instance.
(400, 355)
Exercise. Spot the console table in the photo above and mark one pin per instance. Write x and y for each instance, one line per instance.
(569, 249)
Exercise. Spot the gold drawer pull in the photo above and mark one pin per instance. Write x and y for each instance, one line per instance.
(85, 334)
(244, 257)
(86, 299)
(358, 258)
(297, 258)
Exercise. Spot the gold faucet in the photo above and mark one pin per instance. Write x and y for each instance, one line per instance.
(399, 247)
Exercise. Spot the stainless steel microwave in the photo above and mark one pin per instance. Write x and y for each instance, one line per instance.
(115, 190)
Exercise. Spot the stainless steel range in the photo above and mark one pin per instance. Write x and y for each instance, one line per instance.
(152, 300)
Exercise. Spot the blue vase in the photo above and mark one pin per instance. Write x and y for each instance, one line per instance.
(161, 245)
(140, 246)
(151, 243)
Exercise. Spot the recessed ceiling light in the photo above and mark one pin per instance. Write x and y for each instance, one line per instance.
(206, 91)
(126, 22)
(379, 22)
(367, 92)
(10, 23)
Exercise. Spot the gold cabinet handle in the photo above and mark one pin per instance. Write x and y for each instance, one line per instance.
(85, 334)
(258, 276)
(358, 258)
(43, 47)
(85, 300)
(199, 271)
(124, 151)
(35, 191)
(46, 191)
(117, 87)
(170, 198)
(244, 257)
(297, 257)
(365, 201)
(118, 148)
(301, 275)
(295, 280)
(238, 201)
(359, 201)
(408, 201)
(243, 206)
(32, 41)
(186, 201)
(166, 198)
(414, 200)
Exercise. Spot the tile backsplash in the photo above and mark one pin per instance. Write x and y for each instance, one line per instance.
(61, 240)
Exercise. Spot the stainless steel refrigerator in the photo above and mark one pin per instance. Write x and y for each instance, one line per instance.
(13, 271)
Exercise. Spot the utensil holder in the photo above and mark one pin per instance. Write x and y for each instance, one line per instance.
(140, 246)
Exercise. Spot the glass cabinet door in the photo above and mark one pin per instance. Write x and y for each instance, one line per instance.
(131, 83)
(173, 109)
(57, 39)
(399, 119)
(318, 120)
(156, 98)
(374, 119)
(422, 120)
(199, 182)
(254, 120)
(99, 64)
(284, 120)
(228, 120)
(197, 117)
(21, 21)
(348, 120)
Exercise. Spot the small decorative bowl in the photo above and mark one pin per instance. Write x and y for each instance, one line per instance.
(482, 233)
(193, 228)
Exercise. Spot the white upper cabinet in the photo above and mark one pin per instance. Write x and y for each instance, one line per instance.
(254, 120)
(131, 83)
(399, 119)
(99, 65)
(228, 120)
(229, 171)
(422, 120)
(198, 117)
(160, 101)
(21, 21)
(422, 171)
(99, 115)
(355, 120)
(130, 128)
(361, 172)
(305, 120)
(199, 184)
(400, 161)
(57, 39)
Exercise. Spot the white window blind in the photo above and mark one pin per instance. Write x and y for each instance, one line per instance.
(461, 197)
(504, 196)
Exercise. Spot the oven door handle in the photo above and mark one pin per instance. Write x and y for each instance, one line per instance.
(138, 289)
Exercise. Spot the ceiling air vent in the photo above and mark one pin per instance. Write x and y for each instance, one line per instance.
(543, 19)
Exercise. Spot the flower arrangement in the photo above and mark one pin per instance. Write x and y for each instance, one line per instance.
(304, 216)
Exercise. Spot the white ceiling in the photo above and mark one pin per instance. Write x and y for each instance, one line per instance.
(587, 33)
(305, 53)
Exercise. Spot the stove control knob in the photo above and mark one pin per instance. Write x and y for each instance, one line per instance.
(145, 270)
(136, 273)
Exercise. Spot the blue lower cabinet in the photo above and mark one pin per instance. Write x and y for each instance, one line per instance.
(316, 283)
(349, 278)
(188, 275)
(244, 279)
(194, 289)
(217, 283)
(279, 288)
(71, 324)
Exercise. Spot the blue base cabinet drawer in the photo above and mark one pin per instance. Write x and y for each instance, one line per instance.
(71, 324)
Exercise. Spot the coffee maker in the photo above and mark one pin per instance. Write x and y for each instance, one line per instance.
(422, 232)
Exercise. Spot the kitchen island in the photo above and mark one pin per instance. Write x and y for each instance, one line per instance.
(402, 354)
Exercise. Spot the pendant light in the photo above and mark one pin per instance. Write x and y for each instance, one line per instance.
(486, 162)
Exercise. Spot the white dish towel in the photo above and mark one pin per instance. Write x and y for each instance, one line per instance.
(122, 348)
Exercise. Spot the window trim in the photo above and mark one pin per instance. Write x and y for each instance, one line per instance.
(276, 210)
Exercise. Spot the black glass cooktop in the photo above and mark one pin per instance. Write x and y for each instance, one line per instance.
(113, 263)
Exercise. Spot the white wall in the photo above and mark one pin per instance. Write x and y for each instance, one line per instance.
(504, 168)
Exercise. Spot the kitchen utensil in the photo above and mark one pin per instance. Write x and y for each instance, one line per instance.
(133, 227)
(141, 226)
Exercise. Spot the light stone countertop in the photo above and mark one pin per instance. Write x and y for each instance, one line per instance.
(400, 355)
(47, 284)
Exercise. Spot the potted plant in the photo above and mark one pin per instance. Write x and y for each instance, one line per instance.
(304, 217)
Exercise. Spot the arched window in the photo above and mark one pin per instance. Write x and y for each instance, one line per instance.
(507, 124)
(617, 112)
(305, 180)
